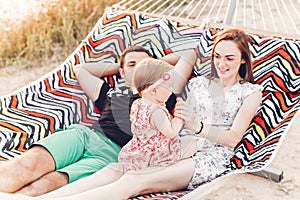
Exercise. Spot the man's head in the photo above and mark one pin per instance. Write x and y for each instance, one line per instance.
(129, 58)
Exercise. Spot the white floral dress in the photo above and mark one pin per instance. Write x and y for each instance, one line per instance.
(218, 110)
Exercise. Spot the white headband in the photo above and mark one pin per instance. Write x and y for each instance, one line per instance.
(164, 77)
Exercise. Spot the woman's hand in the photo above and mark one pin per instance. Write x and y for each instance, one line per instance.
(185, 112)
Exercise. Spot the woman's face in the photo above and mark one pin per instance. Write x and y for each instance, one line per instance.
(227, 59)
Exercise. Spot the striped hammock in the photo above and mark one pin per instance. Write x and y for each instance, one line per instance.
(57, 101)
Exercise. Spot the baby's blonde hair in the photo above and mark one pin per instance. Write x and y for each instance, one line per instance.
(147, 72)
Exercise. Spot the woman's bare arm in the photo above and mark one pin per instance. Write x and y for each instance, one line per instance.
(240, 124)
(229, 137)
(234, 134)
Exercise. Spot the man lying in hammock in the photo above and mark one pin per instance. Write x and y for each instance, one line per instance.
(80, 151)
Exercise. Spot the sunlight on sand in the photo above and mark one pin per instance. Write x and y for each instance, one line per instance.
(10, 12)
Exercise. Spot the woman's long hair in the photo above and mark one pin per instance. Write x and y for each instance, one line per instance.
(240, 38)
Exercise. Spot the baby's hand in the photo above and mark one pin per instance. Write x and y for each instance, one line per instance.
(183, 110)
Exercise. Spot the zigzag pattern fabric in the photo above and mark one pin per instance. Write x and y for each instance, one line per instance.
(57, 101)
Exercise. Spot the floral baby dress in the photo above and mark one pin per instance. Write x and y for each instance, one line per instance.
(148, 146)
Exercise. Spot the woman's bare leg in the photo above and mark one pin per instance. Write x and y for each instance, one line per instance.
(174, 177)
(105, 176)
(171, 178)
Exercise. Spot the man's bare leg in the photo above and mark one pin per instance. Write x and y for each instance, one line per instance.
(47, 183)
(24, 169)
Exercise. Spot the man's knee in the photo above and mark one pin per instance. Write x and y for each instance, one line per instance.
(25, 169)
(45, 184)
(37, 159)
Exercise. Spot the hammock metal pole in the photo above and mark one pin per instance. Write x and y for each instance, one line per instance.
(290, 17)
(218, 11)
(270, 173)
(230, 12)
(253, 14)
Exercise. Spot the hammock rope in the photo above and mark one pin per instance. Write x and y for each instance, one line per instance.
(270, 15)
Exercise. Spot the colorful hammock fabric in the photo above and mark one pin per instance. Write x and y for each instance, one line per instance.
(57, 101)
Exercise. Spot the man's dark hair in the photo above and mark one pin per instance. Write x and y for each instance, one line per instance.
(132, 49)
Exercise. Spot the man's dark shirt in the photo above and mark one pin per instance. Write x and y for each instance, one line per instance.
(114, 105)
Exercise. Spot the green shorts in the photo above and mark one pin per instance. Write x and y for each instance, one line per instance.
(80, 151)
